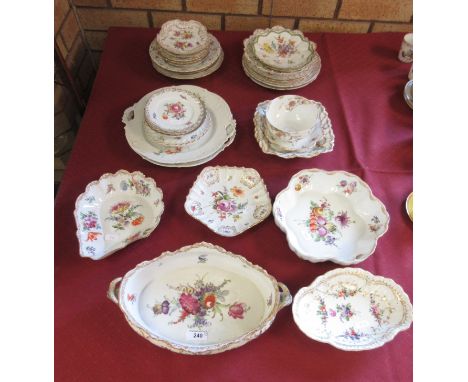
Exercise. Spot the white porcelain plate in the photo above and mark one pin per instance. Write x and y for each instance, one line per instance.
(115, 211)
(352, 309)
(199, 299)
(283, 49)
(330, 216)
(228, 200)
(174, 111)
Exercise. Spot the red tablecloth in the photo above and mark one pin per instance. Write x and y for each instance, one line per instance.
(361, 85)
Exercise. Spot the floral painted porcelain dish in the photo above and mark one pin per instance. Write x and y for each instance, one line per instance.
(351, 309)
(320, 144)
(212, 142)
(228, 200)
(115, 211)
(283, 49)
(200, 299)
(183, 37)
(330, 216)
(174, 111)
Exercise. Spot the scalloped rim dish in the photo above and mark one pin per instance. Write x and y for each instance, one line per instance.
(330, 216)
(352, 309)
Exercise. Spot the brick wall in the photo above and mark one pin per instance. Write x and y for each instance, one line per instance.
(75, 19)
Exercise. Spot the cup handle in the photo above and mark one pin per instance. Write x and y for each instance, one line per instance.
(285, 296)
(113, 291)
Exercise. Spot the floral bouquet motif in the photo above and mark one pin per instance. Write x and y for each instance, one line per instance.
(201, 301)
(174, 110)
(324, 224)
(282, 47)
(123, 214)
(226, 203)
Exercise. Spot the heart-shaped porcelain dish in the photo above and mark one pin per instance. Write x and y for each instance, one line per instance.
(174, 111)
(228, 200)
(115, 211)
(330, 216)
(352, 309)
(200, 299)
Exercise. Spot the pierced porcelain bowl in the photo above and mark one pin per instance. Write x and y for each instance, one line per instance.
(330, 216)
(174, 111)
(351, 309)
(200, 299)
(228, 200)
(116, 210)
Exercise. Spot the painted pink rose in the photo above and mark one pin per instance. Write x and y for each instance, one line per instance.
(322, 231)
(189, 303)
(237, 310)
(176, 107)
(321, 220)
(226, 206)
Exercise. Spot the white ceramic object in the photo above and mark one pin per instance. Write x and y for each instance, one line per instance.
(408, 93)
(330, 215)
(116, 210)
(159, 139)
(283, 49)
(183, 37)
(212, 142)
(200, 299)
(405, 53)
(174, 111)
(351, 309)
(228, 200)
(320, 144)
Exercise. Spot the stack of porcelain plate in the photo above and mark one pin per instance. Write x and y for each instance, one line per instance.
(179, 126)
(292, 126)
(280, 58)
(185, 50)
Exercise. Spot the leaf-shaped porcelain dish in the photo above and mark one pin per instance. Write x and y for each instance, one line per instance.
(200, 299)
(115, 211)
(228, 200)
(352, 309)
(330, 216)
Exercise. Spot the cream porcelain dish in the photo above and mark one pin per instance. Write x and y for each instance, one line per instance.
(228, 200)
(408, 93)
(321, 143)
(330, 216)
(351, 309)
(183, 37)
(213, 141)
(115, 211)
(199, 299)
(174, 111)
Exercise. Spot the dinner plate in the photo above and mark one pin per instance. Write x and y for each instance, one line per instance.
(209, 144)
(324, 144)
(282, 49)
(351, 309)
(330, 215)
(199, 299)
(228, 200)
(115, 211)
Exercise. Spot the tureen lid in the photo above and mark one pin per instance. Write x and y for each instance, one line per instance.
(174, 111)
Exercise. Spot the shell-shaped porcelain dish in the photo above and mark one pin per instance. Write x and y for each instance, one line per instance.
(228, 200)
(116, 210)
(330, 215)
(352, 309)
(200, 299)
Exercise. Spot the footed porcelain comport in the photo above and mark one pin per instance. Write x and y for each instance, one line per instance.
(330, 216)
(115, 211)
(228, 200)
(352, 309)
(200, 299)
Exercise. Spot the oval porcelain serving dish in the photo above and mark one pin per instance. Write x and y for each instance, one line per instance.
(116, 210)
(330, 216)
(352, 309)
(200, 299)
(228, 200)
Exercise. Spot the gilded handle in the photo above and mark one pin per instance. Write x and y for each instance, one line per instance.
(113, 291)
(285, 296)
